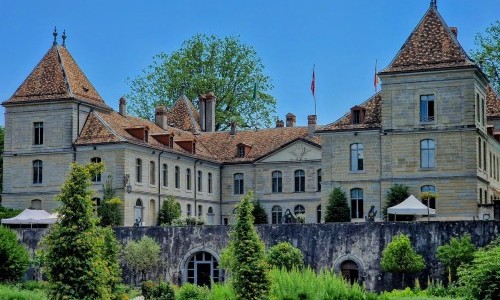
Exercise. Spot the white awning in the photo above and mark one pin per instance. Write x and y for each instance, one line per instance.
(411, 206)
(32, 216)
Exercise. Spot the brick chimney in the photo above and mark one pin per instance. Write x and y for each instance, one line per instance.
(311, 125)
(290, 120)
(161, 117)
(454, 30)
(123, 107)
(207, 111)
(233, 128)
(280, 123)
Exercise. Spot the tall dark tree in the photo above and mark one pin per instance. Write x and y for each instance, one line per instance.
(395, 195)
(337, 209)
(487, 54)
(259, 213)
(225, 66)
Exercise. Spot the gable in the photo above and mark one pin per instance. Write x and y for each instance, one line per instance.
(298, 151)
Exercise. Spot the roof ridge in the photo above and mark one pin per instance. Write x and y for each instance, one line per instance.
(66, 81)
(191, 117)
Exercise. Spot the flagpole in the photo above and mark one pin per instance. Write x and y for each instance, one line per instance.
(313, 88)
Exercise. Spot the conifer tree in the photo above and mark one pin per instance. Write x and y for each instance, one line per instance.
(259, 213)
(170, 211)
(337, 209)
(109, 210)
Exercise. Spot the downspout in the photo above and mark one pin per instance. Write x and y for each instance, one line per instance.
(159, 180)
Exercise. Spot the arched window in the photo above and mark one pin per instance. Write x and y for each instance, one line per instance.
(318, 214)
(318, 177)
(203, 269)
(152, 173)
(299, 209)
(431, 189)
(277, 182)
(357, 157)
(350, 272)
(138, 170)
(427, 153)
(97, 177)
(177, 177)
(188, 210)
(138, 212)
(238, 184)
(200, 211)
(209, 183)
(210, 216)
(37, 171)
(165, 175)
(357, 203)
(188, 179)
(36, 204)
(276, 214)
(152, 213)
(300, 181)
(200, 181)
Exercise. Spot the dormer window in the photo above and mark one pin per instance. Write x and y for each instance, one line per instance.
(241, 151)
(357, 115)
(146, 135)
(139, 132)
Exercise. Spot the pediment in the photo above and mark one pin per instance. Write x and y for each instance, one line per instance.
(297, 151)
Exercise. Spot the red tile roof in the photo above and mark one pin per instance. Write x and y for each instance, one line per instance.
(431, 45)
(57, 77)
(492, 103)
(183, 115)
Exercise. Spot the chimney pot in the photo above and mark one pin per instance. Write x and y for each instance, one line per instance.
(233, 128)
(311, 125)
(280, 123)
(207, 111)
(123, 107)
(161, 117)
(291, 119)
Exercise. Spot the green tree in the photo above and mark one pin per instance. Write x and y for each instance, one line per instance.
(142, 256)
(395, 195)
(14, 257)
(225, 66)
(284, 255)
(337, 209)
(2, 135)
(79, 256)
(481, 278)
(170, 211)
(457, 252)
(487, 54)
(6, 213)
(399, 257)
(259, 213)
(244, 256)
(109, 210)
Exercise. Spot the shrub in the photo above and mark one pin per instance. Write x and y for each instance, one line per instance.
(10, 292)
(170, 211)
(301, 218)
(259, 213)
(14, 258)
(337, 209)
(457, 252)
(6, 213)
(143, 255)
(222, 291)
(189, 291)
(157, 291)
(284, 255)
(395, 195)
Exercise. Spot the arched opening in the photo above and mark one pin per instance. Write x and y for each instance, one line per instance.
(36, 204)
(202, 268)
(138, 213)
(349, 270)
(152, 212)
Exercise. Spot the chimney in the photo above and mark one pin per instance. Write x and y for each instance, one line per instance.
(161, 117)
(233, 127)
(202, 108)
(280, 123)
(123, 107)
(311, 125)
(207, 111)
(454, 30)
(290, 120)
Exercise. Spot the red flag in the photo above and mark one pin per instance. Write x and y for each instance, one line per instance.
(375, 78)
(313, 83)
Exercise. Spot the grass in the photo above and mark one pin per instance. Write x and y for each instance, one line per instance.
(12, 292)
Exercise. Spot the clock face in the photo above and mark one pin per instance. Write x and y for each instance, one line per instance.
(299, 152)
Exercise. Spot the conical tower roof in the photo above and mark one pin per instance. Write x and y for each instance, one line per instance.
(57, 77)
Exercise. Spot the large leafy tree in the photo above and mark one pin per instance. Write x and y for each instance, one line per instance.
(225, 66)
(459, 251)
(487, 54)
(337, 209)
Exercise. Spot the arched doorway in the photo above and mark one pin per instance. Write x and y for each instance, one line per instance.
(202, 268)
(349, 270)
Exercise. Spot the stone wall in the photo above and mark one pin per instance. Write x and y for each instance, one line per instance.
(323, 245)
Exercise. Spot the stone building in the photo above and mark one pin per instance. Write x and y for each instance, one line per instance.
(432, 127)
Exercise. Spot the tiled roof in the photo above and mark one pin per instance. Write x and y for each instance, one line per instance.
(57, 77)
(183, 115)
(223, 145)
(431, 45)
(492, 103)
(371, 119)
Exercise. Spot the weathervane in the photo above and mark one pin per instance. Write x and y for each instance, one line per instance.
(64, 38)
(55, 36)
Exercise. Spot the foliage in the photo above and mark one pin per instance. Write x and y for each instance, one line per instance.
(481, 278)
(6, 213)
(221, 291)
(170, 211)
(301, 218)
(284, 255)
(487, 54)
(157, 291)
(188, 221)
(14, 257)
(399, 257)
(143, 255)
(2, 136)
(244, 256)
(189, 291)
(109, 210)
(395, 195)
(457, 252)
(11, 292)
(259, 213)
(225, 66)
(337, 209)
(79, 257)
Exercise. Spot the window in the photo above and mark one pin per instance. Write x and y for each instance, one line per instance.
(188, 179)
(210, 216)
(152, 172)
(356, 116)
(202, 269)
(277, 182)
(209, 183)
(485, 168)
(241, 151)
(356, 203)
(36, 204)
(483, 112)
(318, 176)
(427, 152)
(165, 175)
(188, 210)
(138, 212)
(318, 214)
(38, 133)
(276, 214)
(480, 196)
(300, 181)
(430, 189)
(200, 211)
(299, 209)
(427, 108)
(478, 114)
(357, 156)
(97, 177)
(200, 181)
(177, 177)
(37, 171)
(238, 184)
(479, 152)
(138, 170)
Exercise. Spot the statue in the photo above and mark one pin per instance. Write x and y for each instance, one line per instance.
(371, 214)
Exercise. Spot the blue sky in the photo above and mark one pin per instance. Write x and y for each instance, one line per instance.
(113, 40)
